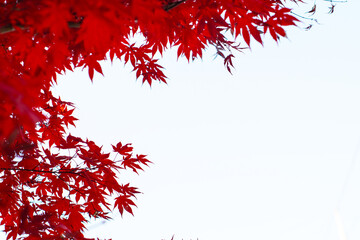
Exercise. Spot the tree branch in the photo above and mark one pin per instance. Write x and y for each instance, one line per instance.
(10, 28)
(173, 5)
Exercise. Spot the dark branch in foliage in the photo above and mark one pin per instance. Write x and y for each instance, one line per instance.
(172, 5)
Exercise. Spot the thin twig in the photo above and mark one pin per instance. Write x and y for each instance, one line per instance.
(43, 171)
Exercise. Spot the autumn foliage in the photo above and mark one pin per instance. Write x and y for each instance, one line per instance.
(51, 182)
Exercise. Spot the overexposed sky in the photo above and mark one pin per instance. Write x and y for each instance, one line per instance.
(266, 153)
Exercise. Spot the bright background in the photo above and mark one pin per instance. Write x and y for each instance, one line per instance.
(270, 152)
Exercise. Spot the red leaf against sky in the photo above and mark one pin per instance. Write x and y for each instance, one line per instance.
(52, 182)
(123, 202)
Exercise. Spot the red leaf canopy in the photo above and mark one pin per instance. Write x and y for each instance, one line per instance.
(51, 182)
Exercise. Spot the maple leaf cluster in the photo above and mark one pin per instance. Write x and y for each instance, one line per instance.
(52, 182)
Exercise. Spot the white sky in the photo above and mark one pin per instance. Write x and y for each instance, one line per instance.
(261, 154)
